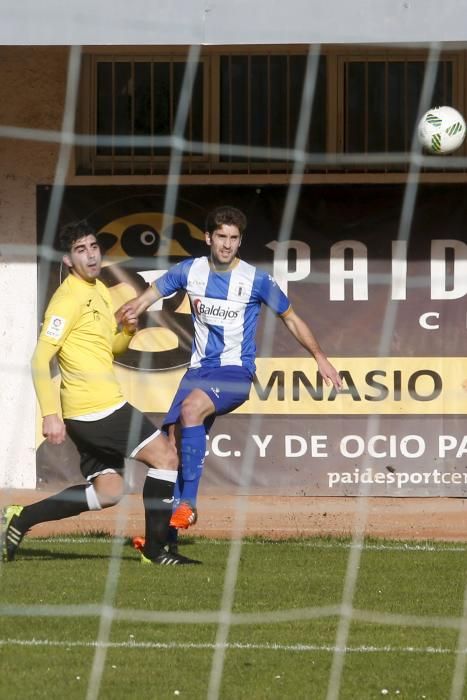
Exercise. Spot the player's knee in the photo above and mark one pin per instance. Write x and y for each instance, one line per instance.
(189, 411)
(108, 491)
(162, 455)
(109, 499)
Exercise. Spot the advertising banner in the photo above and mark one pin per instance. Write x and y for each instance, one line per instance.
(385, 299)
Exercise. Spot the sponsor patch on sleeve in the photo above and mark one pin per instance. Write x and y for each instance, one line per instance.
(56, 327)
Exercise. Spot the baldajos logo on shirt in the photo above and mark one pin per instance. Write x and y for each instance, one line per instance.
(214, 310)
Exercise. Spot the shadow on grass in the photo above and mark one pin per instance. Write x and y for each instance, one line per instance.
(182, 541)
(28, 551)
(48, 554)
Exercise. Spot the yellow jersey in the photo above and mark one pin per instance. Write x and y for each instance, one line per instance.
(80, 322)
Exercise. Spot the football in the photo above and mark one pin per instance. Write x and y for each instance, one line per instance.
(441, 130)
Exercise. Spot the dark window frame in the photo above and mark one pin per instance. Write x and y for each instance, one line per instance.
(214, 165)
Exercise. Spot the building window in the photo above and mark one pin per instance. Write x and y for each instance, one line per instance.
(260, 99)
(139, 98)
(365, 101)
(245, 100)
(381, 102)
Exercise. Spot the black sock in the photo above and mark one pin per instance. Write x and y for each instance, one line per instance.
(158, 501)
(71, 501)
(172, 537)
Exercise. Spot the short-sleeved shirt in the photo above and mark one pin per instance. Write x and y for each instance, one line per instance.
(79, 320)
(225, 307)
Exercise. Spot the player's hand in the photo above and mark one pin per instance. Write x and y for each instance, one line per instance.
(129, 322)
(128, 308)
(135, 307)
(329, 372)
(128, 313)
(53, 429)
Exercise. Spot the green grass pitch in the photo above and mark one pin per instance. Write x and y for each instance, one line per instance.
(162, 622)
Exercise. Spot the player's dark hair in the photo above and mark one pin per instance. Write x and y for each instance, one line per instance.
(225, 215)
(72, 232)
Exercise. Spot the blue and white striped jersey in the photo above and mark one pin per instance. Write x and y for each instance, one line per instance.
(225, 307)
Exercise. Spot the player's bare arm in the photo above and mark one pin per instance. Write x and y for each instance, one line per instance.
(135, 307)
(303, 333)
(53, 428)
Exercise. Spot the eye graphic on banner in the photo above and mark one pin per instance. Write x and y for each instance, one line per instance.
(137, 249)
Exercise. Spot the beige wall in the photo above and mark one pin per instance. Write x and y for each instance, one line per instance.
(33, 87)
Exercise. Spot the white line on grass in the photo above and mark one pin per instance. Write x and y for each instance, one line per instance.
(398, 547)
(362, 649)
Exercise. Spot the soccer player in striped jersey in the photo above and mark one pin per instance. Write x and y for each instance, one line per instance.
(226, 295)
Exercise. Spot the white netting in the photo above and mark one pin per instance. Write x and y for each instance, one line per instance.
(225, 616)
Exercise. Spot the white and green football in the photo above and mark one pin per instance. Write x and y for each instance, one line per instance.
(441, 130)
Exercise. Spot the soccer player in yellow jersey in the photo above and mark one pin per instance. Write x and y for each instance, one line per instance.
(80, 330)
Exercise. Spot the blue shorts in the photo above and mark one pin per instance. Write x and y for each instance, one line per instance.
(227, 387)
